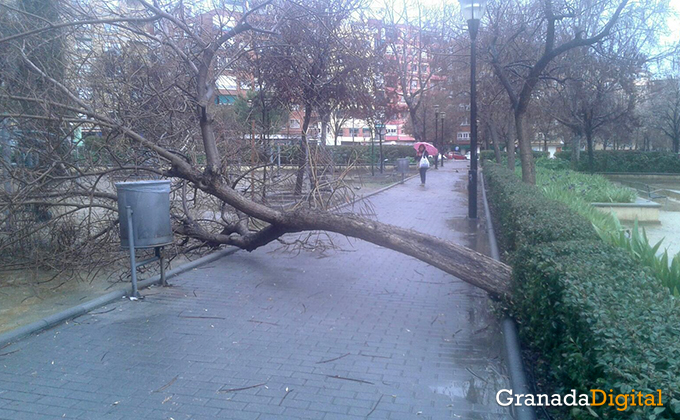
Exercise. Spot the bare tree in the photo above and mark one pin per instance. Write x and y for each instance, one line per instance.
(315, 61)
(666, 106)
(178, 85)
(599, 93)
(413, 46)
(519, 29)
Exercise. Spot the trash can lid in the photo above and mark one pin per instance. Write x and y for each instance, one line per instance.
(144, 185)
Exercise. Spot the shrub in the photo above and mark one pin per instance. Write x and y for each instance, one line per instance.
(358, 155)
(587, 309)
(586, 187)
(620, 161)
(600, 321)
(526, 217)
(490, 155)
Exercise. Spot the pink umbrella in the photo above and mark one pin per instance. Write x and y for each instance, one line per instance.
(431, 150)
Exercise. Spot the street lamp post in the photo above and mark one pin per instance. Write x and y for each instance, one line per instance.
(381, 133)
(472, 11)
(441, 143)
(436, 135)
(372, 149)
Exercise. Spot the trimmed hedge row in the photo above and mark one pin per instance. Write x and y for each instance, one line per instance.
(601, 322)
(490, 155)
(525, 217)
(627, 161)
(359, 154)
(594, 315)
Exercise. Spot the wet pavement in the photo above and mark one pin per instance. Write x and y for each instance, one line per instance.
(352, 332)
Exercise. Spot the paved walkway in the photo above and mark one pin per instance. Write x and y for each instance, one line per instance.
(361, 332)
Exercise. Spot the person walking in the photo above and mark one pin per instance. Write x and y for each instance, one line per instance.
(423, 163)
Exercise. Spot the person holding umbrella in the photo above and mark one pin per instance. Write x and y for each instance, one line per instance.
(424, 151)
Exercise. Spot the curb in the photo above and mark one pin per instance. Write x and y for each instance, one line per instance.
(513, 351)
(55, 319)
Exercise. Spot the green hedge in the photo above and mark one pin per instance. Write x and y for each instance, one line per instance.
(491, 156)
(600, 322)
(525, 217)
(627, 161)
(587, 309)
(359, 154)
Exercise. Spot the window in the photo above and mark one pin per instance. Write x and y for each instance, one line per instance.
(391, 131)
(225, 99)
(294, 123)
(354, 132)
(463, 135)
(226, 83)
(367, 132)
(414, 84)
(466, 121)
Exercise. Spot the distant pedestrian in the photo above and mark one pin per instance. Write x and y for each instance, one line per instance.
(423, 163)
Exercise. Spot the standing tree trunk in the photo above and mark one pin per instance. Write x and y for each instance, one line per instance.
(575, 150)
(591, 156)
(526, 156)
(304, 148)
(496, 147)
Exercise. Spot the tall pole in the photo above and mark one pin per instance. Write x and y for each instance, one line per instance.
(473, 26)
(436, 134)
(441, 143)
(380, 141)
(372, 149)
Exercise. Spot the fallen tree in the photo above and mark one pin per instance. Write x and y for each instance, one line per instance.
(153, 99)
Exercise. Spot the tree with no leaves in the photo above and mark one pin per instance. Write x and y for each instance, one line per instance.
(524, 39)
(188, 52)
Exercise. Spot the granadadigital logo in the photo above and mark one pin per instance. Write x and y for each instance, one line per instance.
(596, 398)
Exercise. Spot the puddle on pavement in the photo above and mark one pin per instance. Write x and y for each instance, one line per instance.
(473, 231)
(479, 390)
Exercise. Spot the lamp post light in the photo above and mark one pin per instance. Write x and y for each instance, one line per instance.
(441, 143)
(472, 11)
(436, 134)
(381, 136)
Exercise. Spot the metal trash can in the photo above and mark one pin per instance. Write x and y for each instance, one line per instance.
(144, 214)
(150, 204)
(402, 165)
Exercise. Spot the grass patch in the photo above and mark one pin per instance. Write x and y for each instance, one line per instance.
(577, 190)
(576, 185)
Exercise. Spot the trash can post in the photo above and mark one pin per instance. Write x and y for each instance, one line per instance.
(131, 243)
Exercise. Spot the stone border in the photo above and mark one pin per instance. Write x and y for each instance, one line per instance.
(55, 319)
(513, 351)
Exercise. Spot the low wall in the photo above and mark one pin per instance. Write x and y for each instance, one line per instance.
(642, 210)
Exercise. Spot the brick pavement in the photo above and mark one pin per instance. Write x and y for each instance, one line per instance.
(361, 332)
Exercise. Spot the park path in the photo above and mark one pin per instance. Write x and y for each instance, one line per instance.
(349, 333)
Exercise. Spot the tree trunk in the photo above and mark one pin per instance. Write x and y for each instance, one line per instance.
(510, 149)
(525, 153)
(575, 151)
(302, 162)
(494, 138)
(591, 157)
(416, 124)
